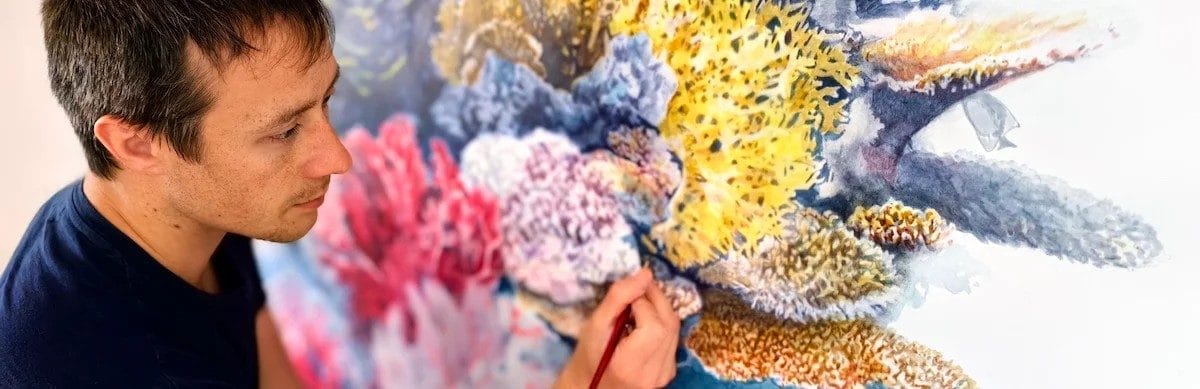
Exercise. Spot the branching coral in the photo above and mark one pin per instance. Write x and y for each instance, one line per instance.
(1007, 203)
(817, 269)
(557, 39)
(465, 344)
(387, 227)
(897, 225)
(933, 50)
(566, 215)
(757, 89)
(563, 229)
(738, 343)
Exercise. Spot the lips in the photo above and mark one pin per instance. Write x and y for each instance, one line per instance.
(314, 203)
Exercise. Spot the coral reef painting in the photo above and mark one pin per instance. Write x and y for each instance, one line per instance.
(514, 157)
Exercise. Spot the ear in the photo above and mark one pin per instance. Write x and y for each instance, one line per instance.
(131, 146)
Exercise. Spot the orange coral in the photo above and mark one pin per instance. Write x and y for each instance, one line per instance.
(931, 49)
(897, 225)
(735, 342)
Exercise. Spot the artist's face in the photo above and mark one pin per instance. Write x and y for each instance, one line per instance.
(268, 147)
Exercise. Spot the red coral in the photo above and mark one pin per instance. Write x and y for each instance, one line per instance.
(390, 224)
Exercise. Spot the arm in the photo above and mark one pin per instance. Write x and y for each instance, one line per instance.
(275, 369)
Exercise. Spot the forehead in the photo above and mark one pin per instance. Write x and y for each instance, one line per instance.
(279, 73)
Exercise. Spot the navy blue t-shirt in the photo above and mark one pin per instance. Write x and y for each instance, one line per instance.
(82, 305)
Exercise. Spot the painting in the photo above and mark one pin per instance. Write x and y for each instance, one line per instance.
(514, 157)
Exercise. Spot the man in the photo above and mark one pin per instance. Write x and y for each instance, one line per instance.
(204, 124)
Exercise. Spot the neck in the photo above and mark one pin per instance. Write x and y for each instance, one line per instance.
(181, 244)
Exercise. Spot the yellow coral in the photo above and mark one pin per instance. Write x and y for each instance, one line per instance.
(739, 343)
(557, 39)
(757, 89)
(817, 270)
(930, 48)
(898, 225)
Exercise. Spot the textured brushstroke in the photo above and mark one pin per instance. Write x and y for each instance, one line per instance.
(382, 47)
(569, 217)
(817, 269)
(896, 225)
(1006, 203)
(313, 317)
(737, 343)
(462, 344)
(682, 294)
(648, 174)
(932, 50)
(758, 87)
(556, 39)
(628, 84)
(317, 357)
(494, 161)
(563, 229)
(565, 319)
(627, 87)
(844, 155)
(387, 227)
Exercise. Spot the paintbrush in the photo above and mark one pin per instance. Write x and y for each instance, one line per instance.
(617, 332)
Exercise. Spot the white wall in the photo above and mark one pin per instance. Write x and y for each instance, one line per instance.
(38, 151)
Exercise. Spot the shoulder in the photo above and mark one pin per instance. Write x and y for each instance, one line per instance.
(65, 321)
(67, 334)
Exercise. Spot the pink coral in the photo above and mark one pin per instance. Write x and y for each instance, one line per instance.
(388, 227)
(318, 359)
(563, 229)
(494, 343)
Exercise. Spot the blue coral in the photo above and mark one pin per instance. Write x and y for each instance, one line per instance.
(627, 87)
(1003, 202)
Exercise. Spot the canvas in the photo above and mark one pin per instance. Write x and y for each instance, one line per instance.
(770, 160)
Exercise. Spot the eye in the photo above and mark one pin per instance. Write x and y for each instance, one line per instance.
(286, 134)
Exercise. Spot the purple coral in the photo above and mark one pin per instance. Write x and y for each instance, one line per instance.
(563, 230)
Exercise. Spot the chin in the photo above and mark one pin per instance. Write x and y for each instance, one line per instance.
(287, 231)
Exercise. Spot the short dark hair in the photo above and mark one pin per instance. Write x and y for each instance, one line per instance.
(127, 58)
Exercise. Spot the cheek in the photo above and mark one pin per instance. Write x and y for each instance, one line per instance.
(234, 191)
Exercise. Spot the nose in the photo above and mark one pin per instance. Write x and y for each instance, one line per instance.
(329, 155)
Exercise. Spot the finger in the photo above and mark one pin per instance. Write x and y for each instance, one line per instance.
(641, 353)
(669, 319)
(667, 371)
(646, 336)
(671, 322)
(662, 306)
(621, 294)
(645, 316)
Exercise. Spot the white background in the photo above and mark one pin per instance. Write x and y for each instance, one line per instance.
(1121, 124)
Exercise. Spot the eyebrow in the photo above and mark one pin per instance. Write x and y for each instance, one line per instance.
(293, 112)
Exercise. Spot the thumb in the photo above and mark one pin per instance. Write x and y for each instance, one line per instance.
(621, 294)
